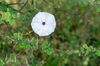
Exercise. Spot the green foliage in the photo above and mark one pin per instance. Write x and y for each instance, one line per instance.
(88, 50)
(47, 49)
(18, 36)
(8, 18)
(1, 62)
(7, 14)
(75, 42)
(34, 43)
(23, 43)
(11, 59)
(98, 52)
(52, 62)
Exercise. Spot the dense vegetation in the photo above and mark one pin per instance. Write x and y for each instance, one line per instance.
(75, 42)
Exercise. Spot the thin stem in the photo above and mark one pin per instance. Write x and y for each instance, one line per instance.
(23, 6)
(14, 3)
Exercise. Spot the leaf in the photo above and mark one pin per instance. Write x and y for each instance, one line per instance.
(23, 45)
(97, 8)
(1, 62)
(46, 48)
(98, 52)
(8, 17)
(34, 43)
(53, 61)
(18, 36)
(11, 59)
(85, 46)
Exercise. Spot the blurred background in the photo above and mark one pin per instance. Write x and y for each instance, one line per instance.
(75, 42)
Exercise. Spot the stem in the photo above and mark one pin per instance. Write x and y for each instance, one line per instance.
(23, 6)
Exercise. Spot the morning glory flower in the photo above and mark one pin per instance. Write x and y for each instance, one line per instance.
(43, 23)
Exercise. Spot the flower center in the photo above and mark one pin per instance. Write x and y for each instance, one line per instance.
(43, 23)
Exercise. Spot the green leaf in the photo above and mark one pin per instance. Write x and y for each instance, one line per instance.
(98, 52)
(1, 62)
(8, 17)
(34, 43)
(98, 9)
(18, 36)
(53, 61)
(11, 59)
(24, 44)
(85, 46)
(46, 48)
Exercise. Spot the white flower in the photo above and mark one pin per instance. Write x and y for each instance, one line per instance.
(43, 23)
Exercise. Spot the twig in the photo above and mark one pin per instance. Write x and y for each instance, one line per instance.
(23, 6)
(8, 6)
(8, 38)
(14, 3)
